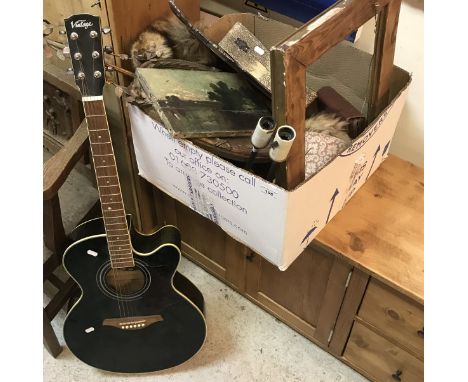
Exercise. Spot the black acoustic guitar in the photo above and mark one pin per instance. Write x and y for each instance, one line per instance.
(130, 317)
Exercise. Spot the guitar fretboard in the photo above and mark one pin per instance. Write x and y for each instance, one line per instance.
(113, 212)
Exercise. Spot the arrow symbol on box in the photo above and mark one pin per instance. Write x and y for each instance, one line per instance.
(335, 194)
(386, 147)
(310, 232)
(373, 161)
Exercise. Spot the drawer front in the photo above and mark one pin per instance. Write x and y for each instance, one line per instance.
(396, 316)
(381, 360)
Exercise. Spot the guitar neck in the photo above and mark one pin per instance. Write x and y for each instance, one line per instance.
(110, 194)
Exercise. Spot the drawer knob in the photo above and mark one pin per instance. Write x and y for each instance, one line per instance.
(396, 375)
(421, 332)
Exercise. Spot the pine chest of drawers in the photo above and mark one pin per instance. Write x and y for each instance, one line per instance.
(387, 337)
(356, 291)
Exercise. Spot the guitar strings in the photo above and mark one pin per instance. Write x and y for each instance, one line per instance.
(91, 108)
(114, 275)
(117, 274)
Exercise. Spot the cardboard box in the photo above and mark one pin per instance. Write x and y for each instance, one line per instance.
(276, 223)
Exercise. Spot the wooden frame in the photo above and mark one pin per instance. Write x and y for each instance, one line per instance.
(290, 58)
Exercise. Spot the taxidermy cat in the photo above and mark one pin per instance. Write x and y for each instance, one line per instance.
(169, 38)
(328, 124)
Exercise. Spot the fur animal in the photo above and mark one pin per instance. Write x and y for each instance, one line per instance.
(170, 38)
(329, 124)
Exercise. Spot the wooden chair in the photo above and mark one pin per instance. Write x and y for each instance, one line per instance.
(56, 171)
(291, 57)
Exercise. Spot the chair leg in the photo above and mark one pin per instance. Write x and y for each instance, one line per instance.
(49, 266)
(61, 298)
(50, 340)
(54, 233)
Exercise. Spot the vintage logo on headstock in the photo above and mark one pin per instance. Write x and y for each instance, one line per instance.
(81, 24)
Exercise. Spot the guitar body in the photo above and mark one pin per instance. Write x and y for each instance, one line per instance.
(143, 243)
(133, 319)
(130, 317)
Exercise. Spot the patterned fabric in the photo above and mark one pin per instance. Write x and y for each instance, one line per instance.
(320, 150)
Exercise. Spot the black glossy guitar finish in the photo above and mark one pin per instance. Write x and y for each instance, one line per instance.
(130, 317)
(181, 283)
(139, 324)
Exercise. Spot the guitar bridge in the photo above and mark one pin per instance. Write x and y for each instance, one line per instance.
(132, 323)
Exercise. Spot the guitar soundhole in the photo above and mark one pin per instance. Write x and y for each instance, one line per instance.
(125, 282)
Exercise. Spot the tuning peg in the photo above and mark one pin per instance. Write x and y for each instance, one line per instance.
(69, 71)
(108, 49)
(66, 51)
(62, 32)
(109, 68)
(106, 30)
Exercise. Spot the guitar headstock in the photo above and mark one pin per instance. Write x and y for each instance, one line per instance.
(85, 43)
